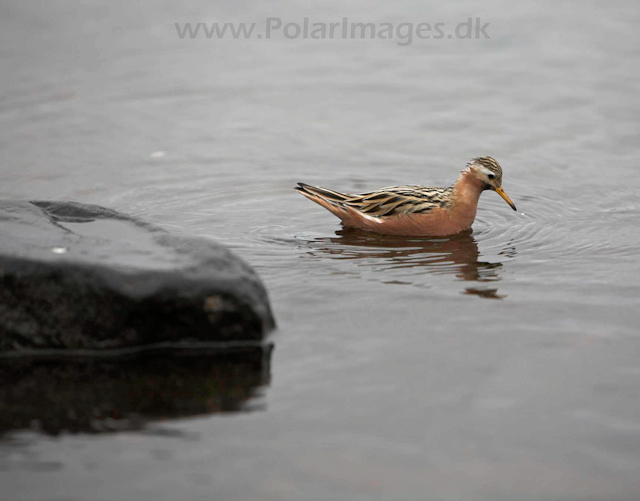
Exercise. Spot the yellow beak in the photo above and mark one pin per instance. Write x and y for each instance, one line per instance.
(501, 192)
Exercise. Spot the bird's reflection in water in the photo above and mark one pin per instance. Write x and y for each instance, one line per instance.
(404, 259)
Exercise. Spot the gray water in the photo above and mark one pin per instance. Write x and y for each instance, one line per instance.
(503, 363)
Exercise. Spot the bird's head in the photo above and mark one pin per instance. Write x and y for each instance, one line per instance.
(487, 170)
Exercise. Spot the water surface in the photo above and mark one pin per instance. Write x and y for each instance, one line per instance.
(501, 363)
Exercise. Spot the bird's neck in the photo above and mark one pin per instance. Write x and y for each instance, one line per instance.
(467, 190)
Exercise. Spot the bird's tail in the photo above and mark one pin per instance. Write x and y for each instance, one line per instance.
(318, 191)
(331, 200)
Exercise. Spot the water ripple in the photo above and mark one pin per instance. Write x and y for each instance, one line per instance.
(264, 223)
(552, 226)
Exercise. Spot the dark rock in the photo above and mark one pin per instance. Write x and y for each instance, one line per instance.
(105, 394)
(82, 277)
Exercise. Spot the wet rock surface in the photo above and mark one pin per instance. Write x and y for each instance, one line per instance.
(83, 277)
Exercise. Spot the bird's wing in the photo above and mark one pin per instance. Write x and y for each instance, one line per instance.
(399, 200)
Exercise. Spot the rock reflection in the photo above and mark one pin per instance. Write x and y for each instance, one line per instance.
(93, 395)
(403, 259)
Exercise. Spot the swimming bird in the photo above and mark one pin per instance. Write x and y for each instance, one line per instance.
(415, 210)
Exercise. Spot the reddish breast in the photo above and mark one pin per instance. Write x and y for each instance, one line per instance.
(437, 222)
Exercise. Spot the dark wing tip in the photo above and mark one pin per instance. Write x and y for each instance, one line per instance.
(302, 188)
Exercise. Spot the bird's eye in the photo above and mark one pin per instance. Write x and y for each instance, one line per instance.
(491, 176)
